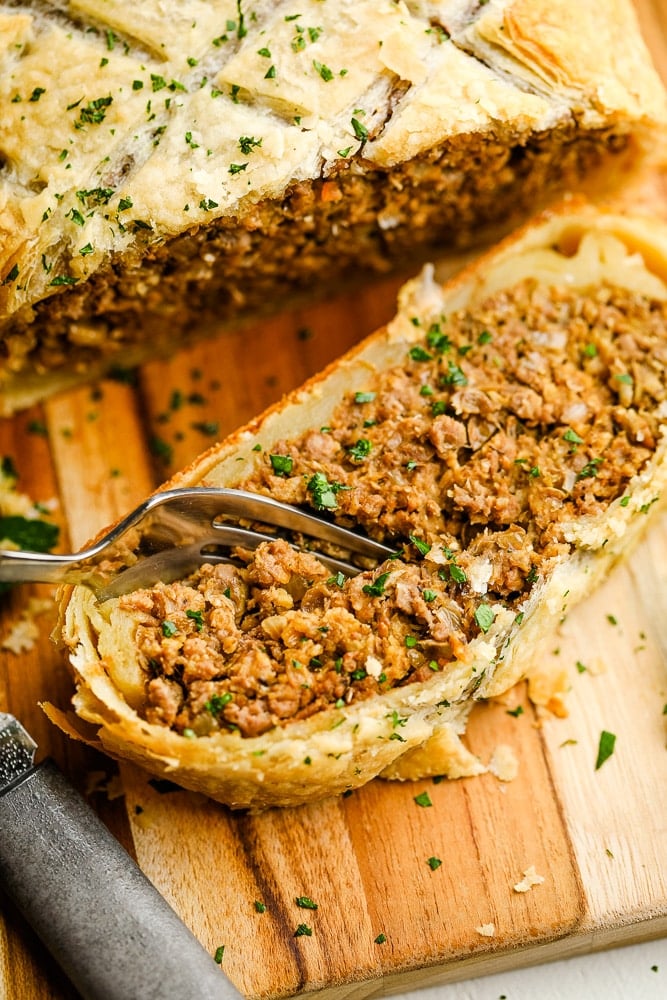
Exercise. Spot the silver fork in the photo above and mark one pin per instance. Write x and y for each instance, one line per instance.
(173, 532)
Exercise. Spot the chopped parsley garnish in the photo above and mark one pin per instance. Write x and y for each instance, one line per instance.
(306, 903)
(281, 464)
(364, 397)
(219, 953)
(420, 354)
(322, 492)
(433, 863)
(323, 70)
(360, 129)
(590, 470)
(423, 547)
(30, 534)
(96, 196)
(454, 376)
(247, 143)
(423, 800)
(259, 906)
(380, 939)
(437, 340)
(572, 437)
(217, 702)
(605, 748)
(303, 930)
(484, 617)
(360, 450)
(516, 712)
(169, 629)
(64, 279)
(197, 617)
(11, 275)
(376, 589)
(94, 112)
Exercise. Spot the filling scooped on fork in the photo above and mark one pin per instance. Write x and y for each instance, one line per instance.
(503, 436)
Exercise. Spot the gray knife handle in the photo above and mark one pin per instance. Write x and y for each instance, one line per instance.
(103, 921)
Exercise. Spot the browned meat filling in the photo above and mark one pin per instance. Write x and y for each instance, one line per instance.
(151, 299)
(501, 425)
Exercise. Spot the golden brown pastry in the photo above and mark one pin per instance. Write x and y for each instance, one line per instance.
(166, 168)
(505, 434)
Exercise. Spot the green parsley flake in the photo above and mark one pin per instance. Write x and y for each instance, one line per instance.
(323, 70)
(219, 953)
(323, 493)
(94, 112)
(360, 130)
(433, 863)
(423, 547)
(484, 617)
(360, 450)
(572, 437)
(197, 617)
(305, 903)
(168, 629)
(303, 930)
(247, 143)
(376, 589)
(217, 702)
(605, 748)
(281, 464)
(423, 800)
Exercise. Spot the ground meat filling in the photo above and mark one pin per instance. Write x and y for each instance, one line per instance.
(359, 218)
(502, 425)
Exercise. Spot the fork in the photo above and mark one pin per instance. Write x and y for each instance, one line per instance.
(173, 532)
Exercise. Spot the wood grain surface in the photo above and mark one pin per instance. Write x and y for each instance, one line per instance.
(386, 919)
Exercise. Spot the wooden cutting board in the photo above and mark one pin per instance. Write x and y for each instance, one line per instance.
(387, 917)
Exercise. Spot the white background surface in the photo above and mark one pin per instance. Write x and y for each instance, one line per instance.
(618, 974)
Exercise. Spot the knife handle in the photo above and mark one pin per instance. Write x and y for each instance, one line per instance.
(103, 921)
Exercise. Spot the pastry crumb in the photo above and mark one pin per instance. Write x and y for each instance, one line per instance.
(486, 930)
(24, 633)
(530, 878)
(504, 763)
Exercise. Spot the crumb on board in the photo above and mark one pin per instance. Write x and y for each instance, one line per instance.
(530, 878)
(504, 763)
(24, 632)
(486, 930)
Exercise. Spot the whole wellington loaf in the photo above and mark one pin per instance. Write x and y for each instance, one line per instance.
(166, 168)
(504, 436)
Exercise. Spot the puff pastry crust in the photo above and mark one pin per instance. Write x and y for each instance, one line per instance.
(598, 256)
(155, 156)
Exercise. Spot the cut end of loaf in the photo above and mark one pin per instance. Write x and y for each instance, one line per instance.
(303, 147)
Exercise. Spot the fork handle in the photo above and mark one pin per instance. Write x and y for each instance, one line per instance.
(33, 567)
